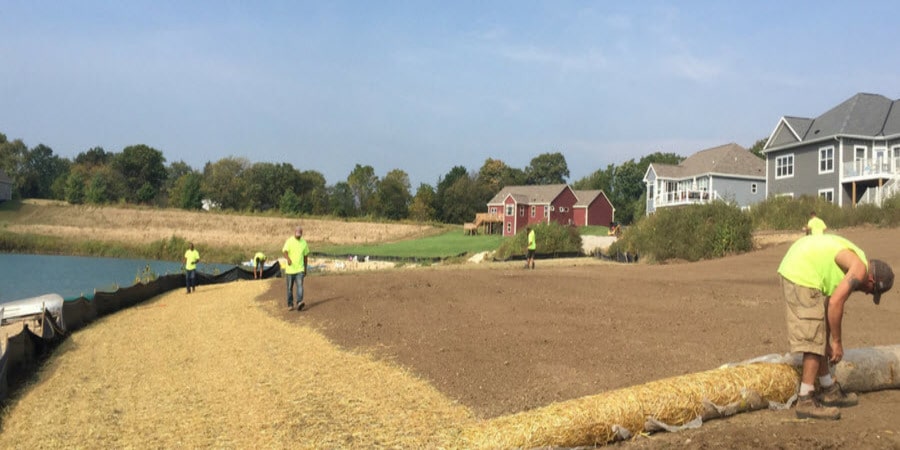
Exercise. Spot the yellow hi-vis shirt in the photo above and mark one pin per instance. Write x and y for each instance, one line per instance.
(296, 249)
(190, 259)
(816, 226)
(810, 261)
(532, 243)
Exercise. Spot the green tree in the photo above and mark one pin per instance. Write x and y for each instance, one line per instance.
(422, 207)
(601, 179)
(12, 155)
(494, 175)
(186, 193)
(461, 200)
(266, 183)
(341, 200)
(392, 195)
(758, 146)
(105, 185)
(224, 183)
(142, 167)
(547, 168)
(39, 170)
(289, 203)
(312, 192)
(363, 182)
(93, 157)
(442, 201)
(75, 187)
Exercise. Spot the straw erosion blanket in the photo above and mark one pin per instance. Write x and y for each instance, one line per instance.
(409, 357)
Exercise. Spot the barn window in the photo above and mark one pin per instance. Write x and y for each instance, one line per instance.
(509, 210)
(533, 211)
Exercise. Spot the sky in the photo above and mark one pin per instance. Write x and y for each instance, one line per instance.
(424, 86)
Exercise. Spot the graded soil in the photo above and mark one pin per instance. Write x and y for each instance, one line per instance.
(500, 339)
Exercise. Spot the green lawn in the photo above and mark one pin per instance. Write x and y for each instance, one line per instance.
(451, 243)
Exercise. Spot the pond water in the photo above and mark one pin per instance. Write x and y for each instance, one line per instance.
(24, 276)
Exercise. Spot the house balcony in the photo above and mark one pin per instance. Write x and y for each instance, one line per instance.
(682, 197)
(871, 169)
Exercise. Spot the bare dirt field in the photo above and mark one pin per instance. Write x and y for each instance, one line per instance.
(500, 339)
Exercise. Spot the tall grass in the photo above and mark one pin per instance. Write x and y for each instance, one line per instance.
(785, 213)
(171, 249)
(691, 233)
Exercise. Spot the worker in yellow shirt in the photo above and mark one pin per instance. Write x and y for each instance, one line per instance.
(190, 260)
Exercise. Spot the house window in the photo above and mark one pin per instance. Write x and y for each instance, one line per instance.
(753, 188)
(826, 159)
(533, 211)
(508, 227)
(493, 210)
(509, 210)
(521, 211)
(859, 153)
(784, 166)
(546, 212)
(827, 194)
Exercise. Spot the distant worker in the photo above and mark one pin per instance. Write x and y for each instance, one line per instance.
(530, 248)
(815, 225)
(190, 260)
(259, 260)
(818, 274)
(613, 229)
(296, 253)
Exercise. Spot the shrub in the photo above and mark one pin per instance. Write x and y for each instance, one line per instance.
(786, 213)
(552, 239)
(691, 233)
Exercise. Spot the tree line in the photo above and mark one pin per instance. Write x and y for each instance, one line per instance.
(138, 174)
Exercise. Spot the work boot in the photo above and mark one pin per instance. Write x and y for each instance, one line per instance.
(810, 408)
(834, 395)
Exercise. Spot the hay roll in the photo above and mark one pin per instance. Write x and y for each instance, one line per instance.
(602, 418)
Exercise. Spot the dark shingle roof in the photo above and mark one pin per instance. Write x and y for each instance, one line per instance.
(728, 159)
(860, 115)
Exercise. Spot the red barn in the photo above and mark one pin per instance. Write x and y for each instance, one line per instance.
(593, 208)
(521, 206)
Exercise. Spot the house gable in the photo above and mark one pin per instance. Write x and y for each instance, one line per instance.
(788, 131)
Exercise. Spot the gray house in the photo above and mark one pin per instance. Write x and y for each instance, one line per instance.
(5, 187)
(727, 172)
(848, 155)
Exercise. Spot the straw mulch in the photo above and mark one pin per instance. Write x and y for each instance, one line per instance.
(675, 401)
(214, 369)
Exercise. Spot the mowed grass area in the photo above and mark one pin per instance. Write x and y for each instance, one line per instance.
(448, 244)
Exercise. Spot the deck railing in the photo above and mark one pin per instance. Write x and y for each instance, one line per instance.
(683, 197)
(869, 167)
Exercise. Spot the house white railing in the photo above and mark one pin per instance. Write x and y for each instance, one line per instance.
(876, 195)
(683, 197)
(871, 167)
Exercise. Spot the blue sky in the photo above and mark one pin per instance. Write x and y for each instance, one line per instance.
(425, 86)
